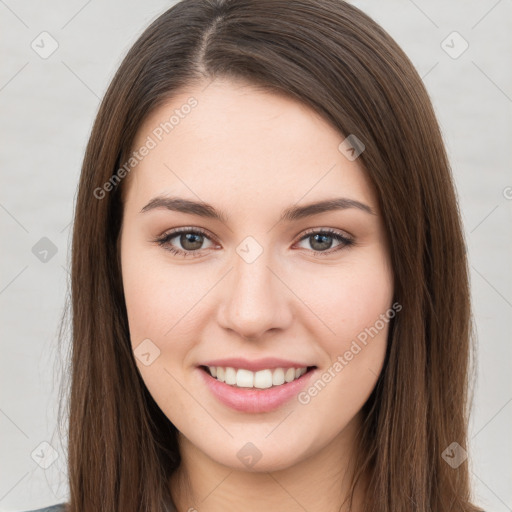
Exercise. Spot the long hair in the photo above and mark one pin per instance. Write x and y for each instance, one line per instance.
(335, 59)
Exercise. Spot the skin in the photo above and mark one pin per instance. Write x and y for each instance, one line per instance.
(252, 154)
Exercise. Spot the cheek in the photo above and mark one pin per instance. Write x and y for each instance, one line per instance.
(355, 309)
(159, 309)
(347, 299)
(160, 298)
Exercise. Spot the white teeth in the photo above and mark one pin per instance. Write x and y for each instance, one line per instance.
(230, 376)
(262, 379)
(244, 379)
(278, 377)
(289, 375)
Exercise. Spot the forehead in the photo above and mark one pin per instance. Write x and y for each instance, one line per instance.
(233, 139)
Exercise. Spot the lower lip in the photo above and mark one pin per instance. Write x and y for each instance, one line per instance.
(252, 400)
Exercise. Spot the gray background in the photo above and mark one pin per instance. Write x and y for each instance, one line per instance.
(48, 106)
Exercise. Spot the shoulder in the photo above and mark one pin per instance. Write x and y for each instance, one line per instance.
(60, 507)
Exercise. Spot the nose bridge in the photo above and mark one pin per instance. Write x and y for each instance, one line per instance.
(256, 301)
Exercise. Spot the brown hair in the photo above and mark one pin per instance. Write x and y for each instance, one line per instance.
(338, 61)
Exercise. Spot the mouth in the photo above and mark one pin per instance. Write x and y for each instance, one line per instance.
(262, 379)
(261, 391)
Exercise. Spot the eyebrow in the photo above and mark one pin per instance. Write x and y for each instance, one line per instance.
(290, 214)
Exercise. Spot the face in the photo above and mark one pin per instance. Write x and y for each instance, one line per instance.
(263, 284)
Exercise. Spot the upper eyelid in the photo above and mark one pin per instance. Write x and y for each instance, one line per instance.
(175, 232)
(341, 232)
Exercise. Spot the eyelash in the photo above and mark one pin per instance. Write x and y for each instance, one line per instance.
(164, 239)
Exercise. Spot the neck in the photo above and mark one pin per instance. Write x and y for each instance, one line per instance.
(320, 482)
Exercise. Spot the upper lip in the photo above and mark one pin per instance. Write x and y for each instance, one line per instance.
(256, 364)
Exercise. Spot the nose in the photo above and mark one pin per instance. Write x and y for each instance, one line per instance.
(255, 299)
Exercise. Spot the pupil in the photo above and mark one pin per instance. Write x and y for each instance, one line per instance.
(191, 241)
(323, 244)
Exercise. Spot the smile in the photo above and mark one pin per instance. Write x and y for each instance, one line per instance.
(249, 398)
(262, 379)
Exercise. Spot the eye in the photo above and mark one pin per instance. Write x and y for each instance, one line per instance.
(190, 240)
(321, 241)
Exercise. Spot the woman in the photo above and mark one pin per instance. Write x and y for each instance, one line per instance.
(269, 283)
